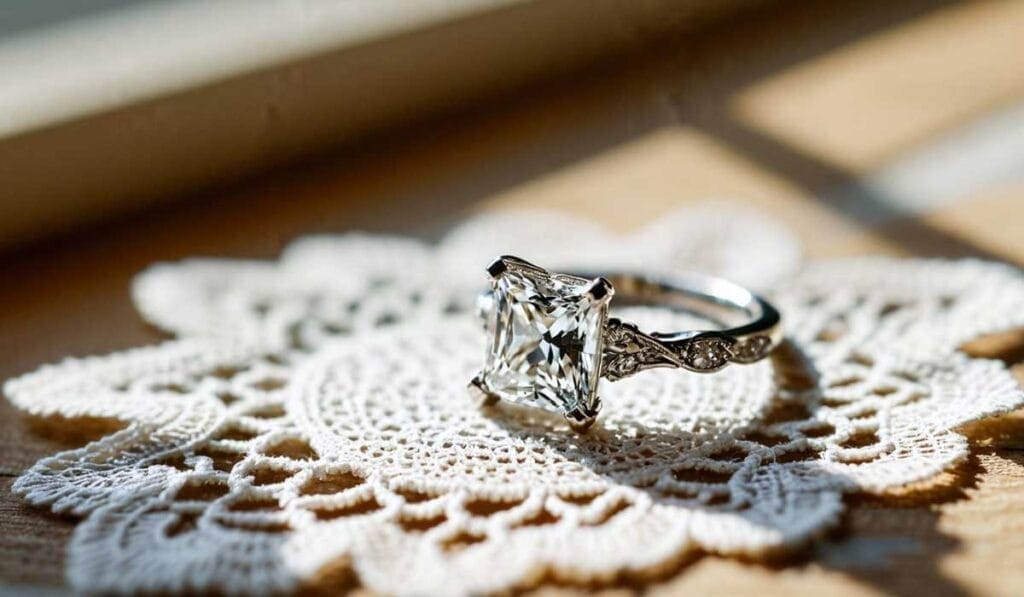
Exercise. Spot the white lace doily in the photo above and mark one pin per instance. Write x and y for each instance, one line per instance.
(313, 413)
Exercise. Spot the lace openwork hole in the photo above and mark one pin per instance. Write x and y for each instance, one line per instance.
(580, 500)
(733, 453)
(257, 526)
(846, 381)
(223, 460)
(765, 438)
(172, 388)
(540, 519)
(861, 439)
(889, 309)
(411, 524)
(265, 475)
(228, 398)
(694, 474)
(859, 358)
(254, 504)
(786, 411)
(484, 508)
(225, 372)
(270, 411)
(834, 330)
(269, 384)
(797, 455)
(331, 483)
(235, 433)
(359, 508)
(186, 522)
(610, 513)
(413, 496)
(819, 429)
(293, 448)
(175, 461)
(201, 491)
(462, 541)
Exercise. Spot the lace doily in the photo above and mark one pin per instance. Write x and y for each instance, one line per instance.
(312, 414)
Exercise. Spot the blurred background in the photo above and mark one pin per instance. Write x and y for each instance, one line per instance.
(146, 130)
(870, 114)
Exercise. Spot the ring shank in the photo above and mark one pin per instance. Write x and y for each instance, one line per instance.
(740, 312)
(750, 326)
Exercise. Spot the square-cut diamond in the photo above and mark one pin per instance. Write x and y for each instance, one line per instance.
(545, 347)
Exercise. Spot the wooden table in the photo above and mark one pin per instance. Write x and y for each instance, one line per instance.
(789, 109)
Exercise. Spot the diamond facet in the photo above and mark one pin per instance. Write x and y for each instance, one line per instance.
(545, 347)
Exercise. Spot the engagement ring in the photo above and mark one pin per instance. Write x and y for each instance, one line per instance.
(551, 338)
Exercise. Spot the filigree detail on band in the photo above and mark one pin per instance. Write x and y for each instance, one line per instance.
(707, 352)
(750, 349)
(629, 351)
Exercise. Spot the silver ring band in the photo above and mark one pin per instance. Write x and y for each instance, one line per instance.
(751, 326)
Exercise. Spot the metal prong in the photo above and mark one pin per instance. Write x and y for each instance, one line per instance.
(479, 392)
(581, 420)
(580, 426)
(600, 289)
(497, 267)
(501, 265)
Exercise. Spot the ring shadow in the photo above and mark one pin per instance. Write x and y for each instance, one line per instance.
(862, 545)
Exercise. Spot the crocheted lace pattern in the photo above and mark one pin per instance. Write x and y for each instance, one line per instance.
(312, 412)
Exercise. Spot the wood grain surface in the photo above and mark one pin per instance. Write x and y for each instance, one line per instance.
(788, 109)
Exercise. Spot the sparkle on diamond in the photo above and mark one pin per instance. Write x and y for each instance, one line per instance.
(545, 349)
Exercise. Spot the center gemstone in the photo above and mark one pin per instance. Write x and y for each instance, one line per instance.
(545, 348)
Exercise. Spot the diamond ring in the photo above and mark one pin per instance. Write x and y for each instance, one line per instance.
(551, 338)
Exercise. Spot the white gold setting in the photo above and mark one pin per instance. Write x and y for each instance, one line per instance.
(551, 338)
